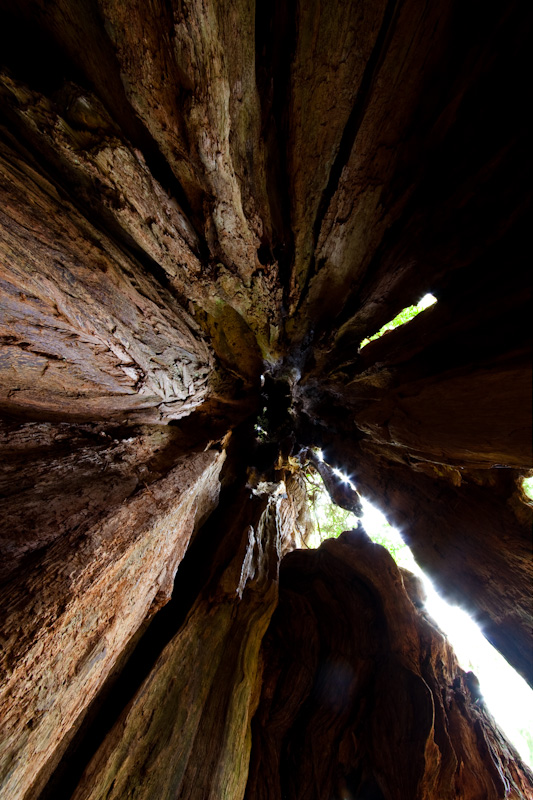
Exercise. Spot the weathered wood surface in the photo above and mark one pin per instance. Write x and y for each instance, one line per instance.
(198, 194)
(449, 517)
(67, 620)
(56, 477)
(363, 696)
(187, 732)
(87, 333)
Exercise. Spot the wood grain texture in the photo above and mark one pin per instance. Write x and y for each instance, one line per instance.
(363, 695)
(187, 732)
(67, 620)
(87, 334)
(205, 207)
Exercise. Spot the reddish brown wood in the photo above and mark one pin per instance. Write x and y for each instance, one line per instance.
(204, 208)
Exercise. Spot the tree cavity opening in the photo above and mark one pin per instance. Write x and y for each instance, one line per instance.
(505, 692)
(405, 315)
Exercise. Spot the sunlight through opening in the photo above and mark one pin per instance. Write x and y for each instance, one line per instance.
(507, 696)
(404, 316)
(527, 487)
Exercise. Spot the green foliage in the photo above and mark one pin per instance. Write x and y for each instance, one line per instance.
(388, 538)
(330, 521)
(260, 430)
(401, 318)
(475, 653)
(527, 735)
(527, 486)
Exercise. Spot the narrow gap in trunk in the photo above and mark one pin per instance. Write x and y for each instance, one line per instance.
(505, 693)
(405, 315)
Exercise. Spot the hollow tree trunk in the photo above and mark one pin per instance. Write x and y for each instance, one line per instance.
(205, 208)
